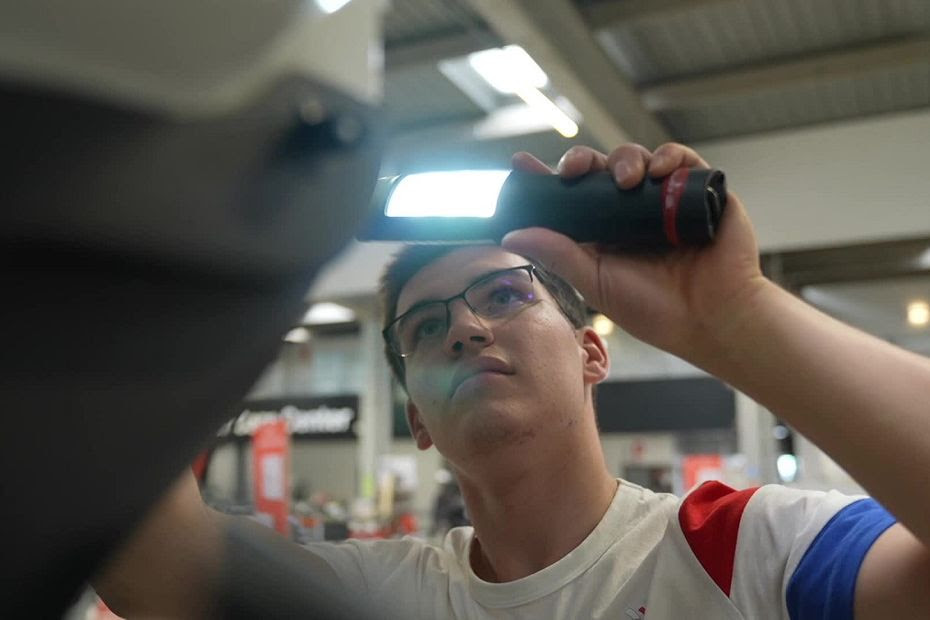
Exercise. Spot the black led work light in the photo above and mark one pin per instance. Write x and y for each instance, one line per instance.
(682, 209)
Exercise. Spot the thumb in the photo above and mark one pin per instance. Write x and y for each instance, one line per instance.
(559, 254)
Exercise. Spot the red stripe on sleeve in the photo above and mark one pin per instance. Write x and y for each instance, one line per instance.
(710, 518)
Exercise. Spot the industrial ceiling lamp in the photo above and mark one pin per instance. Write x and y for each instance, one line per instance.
(683, 209)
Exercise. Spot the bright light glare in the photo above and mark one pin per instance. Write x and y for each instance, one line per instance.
(461, 193)
(918, 313)
(298, 335)
(331, 6)
(326, 313)
(602, 325)
(787, 466)
(508, 69)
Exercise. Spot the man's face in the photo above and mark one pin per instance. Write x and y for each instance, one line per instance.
(492, 383)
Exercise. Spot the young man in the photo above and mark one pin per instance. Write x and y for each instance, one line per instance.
(499, 370)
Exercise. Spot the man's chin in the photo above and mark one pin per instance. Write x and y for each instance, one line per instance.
(493, 432)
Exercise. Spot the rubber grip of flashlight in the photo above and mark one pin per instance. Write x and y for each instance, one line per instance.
(682, 209)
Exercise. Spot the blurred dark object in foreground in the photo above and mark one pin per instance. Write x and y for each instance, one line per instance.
(150, 266)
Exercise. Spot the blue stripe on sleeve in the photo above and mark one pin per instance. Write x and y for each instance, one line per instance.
(824, 583)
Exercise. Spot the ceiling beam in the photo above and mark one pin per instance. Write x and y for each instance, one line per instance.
(555, 35)
(603, 15)
(683, 94)
(433, 49)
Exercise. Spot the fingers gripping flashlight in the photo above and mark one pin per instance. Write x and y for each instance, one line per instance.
(683, 209)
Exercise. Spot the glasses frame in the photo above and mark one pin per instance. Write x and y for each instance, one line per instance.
(385, 333)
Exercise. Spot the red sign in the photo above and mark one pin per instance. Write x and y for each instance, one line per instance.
(698, 468)
(271, 473)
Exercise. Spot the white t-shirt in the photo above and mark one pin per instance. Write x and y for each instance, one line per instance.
(769, 552)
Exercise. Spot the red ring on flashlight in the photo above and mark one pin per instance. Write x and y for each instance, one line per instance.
(673, 187)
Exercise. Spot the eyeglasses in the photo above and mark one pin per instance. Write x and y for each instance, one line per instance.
(496, 295)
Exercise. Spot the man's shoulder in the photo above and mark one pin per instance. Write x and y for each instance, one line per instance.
(746, 537)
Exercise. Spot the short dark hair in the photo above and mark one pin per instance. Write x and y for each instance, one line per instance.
(412, 258)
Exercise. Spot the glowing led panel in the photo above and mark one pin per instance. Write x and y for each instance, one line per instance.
(462, 193)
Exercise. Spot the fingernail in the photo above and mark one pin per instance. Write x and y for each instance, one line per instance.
(621, 171)
(561, 163)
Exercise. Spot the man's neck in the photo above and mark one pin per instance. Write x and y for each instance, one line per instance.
(537, 512)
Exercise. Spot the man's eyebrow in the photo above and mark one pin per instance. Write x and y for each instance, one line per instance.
(476, 279)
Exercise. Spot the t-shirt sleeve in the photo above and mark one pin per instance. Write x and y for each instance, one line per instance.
(780, 552)
(824, 583)
(347, 559)
(388, 575)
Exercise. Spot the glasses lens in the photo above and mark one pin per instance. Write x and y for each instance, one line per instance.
(502, 294)
(423, 325)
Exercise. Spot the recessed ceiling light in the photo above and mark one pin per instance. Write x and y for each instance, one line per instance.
(787, 466)
(602, 325)
(918, 313)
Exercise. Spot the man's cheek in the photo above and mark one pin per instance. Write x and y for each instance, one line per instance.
(432, 380)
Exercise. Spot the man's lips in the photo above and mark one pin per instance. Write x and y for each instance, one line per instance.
(477, 366)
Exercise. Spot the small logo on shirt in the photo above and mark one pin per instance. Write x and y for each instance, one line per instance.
(636, 614)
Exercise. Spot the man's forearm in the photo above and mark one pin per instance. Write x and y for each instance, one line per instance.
(864, 402)
(170, 565)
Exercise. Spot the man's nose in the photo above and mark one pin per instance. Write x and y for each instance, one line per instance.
(466, 329)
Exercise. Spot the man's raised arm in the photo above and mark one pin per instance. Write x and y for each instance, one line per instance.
(171, 564)
(863, 401)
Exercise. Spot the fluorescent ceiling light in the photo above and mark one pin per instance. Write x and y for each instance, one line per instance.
(326, 313)
(510, 70)
(460, 193)
(330, 6)
(298, 335)
(918, 313)
(553, 114)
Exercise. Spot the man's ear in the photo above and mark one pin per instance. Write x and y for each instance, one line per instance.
(596, 361)
(417, 429)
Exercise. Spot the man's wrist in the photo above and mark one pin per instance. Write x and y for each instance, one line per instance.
(721, 338)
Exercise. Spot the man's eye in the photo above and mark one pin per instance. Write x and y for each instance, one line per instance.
(504, 297)
(429, 328)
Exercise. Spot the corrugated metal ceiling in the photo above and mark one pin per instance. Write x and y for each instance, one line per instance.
(415, 20)
(721, 36)
(707, 69)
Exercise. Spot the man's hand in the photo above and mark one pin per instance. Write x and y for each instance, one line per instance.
(670, 300)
